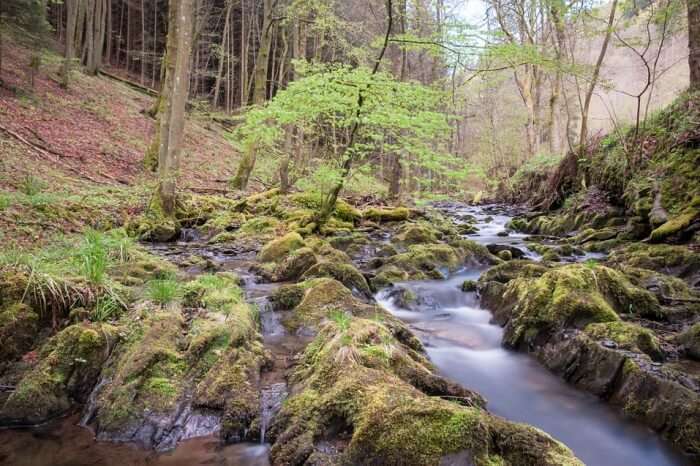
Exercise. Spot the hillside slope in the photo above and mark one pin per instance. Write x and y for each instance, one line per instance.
(64, 148)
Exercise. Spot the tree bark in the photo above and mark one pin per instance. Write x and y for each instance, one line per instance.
(172, 120)
(71, 19)
(223, 52)
(694, 43)
(263, 57)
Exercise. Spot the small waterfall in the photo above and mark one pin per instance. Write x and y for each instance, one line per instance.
(271, 398)
(189, 235)
(91, 405)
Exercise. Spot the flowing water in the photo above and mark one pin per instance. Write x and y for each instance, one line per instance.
(465, 346)
(460, 340)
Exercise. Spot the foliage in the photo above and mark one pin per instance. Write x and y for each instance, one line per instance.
(396, 118)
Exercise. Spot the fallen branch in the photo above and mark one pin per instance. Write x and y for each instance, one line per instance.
(128, 82)
(25, 141)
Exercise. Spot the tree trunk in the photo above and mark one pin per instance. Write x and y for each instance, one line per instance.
(694, 42)
(263, 57)
(594, 79)
(71, 19)
(223, 52)
(172, 119)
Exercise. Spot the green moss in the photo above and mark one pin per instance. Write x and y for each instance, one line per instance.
(69, 365)
(275, 250)
(19, 325)
(345, 273)
(569, 296)
(417, 234)
(152, 353)
(627, 336)
(690, 340)
(675, 225)
(396, 214)
(360, 385)
(507, 271)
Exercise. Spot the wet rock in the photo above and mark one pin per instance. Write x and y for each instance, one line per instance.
(469, 286)
(515, 253)
(571, 296)
(690, 341)
(396, 214)
(645, 391)
(68, 367)
(276, 250)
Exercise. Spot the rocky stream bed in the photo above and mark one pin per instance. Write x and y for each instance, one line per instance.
(398, 343)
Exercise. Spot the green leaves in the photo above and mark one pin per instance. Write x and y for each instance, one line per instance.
(322, 105)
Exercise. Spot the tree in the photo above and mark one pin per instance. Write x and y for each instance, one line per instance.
(27, 14)
(174, 95)
(71, 22)
(694, 43)
(594, 78)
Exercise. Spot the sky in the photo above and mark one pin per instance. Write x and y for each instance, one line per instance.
(472, 11)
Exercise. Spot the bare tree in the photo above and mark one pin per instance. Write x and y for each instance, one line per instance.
(176, 88)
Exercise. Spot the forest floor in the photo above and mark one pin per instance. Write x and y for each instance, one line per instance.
(64, 147)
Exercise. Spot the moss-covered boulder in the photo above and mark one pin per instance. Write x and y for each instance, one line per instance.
(678, 227)
(396, 214)
(377, 401)
(275, 250)
(628, 336)
(19, 326)
(571, 296)
(293, 266)
(345, 273)
(690, 341)
(679, 261)
(68, 367)
(417, 233)
(146, 379)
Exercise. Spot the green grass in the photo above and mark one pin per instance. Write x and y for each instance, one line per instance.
(341, 319)
(106, 308)
(5, 201)
(163, 290)
(31, 185)
(93, 257)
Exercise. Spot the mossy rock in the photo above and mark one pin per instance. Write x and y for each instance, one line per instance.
(153, 227)
(68, 368)
(678, 261)
(321, 296)
(359, 387)
(469, 286)
(415, 233)
(571, 296)
(676, 226)
(277, 249)
(507, 271)
(397, 214)
(690, 340)
(19, 326)
(147, 377)
(293, 266)
(627, 336)
(313, 202)
(345, 273)
(505, 255)
(387, 275)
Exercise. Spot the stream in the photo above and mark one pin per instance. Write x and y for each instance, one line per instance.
(460, 340)
(466, 347)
